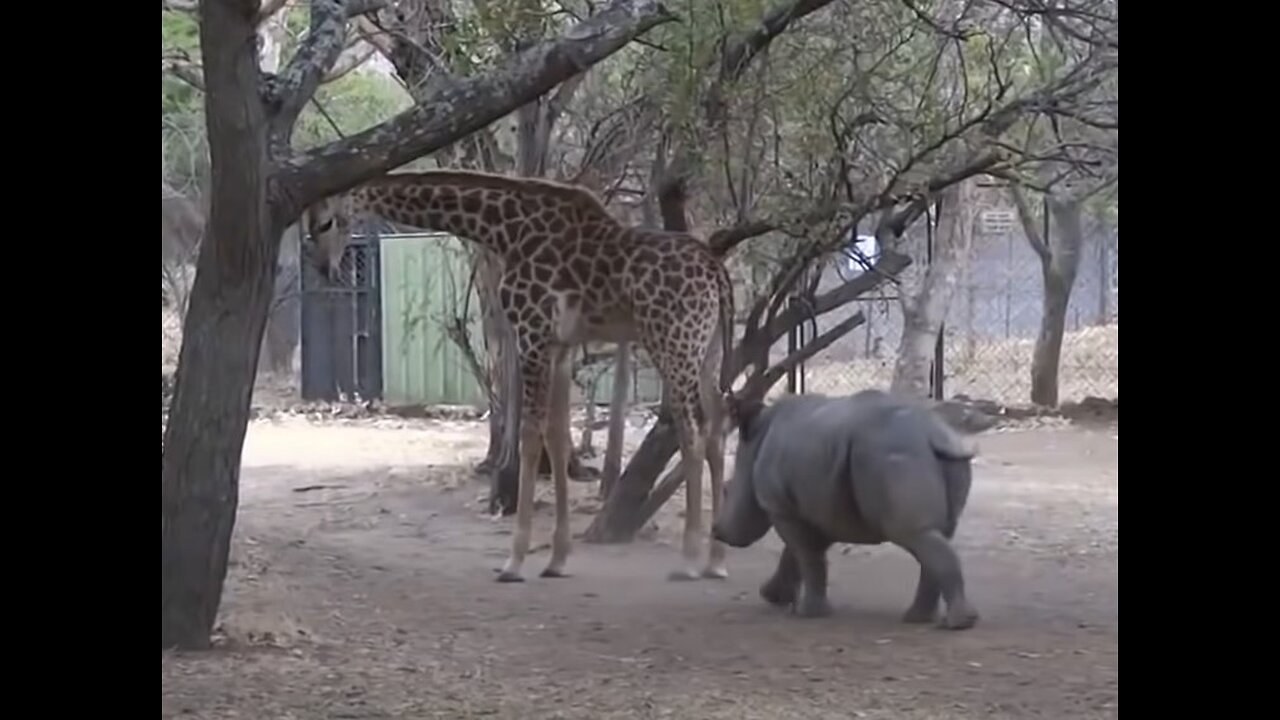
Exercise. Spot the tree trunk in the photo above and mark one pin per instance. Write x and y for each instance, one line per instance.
(924, 307)
(625, 509)
(504, 485)
(1059, 273)
(284, 320)
(493, 326)
(221, 337)
(1103, 242)
(618, 404)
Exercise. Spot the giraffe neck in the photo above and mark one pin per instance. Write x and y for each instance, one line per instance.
(499, 212)
(451, 208)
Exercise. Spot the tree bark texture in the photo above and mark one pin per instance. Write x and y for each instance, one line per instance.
(1058, 246)
(924, 306)
(222, 333)
(1059, 273)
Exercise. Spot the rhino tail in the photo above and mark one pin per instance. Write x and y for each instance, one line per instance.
(954, 452)
(958, 478)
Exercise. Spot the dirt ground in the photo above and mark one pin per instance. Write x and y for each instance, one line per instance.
(362, 587)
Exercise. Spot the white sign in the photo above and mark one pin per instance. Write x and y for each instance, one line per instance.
(997, 222)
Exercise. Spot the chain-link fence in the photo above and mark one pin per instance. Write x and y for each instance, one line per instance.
(992, 322)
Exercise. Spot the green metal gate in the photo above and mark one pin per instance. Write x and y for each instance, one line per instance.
(424, 279)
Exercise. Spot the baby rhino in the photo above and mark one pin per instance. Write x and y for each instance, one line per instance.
(859, 469)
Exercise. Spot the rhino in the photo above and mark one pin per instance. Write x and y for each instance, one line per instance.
(862, 469)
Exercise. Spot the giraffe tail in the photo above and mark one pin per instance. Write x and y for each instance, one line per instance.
(727, 373)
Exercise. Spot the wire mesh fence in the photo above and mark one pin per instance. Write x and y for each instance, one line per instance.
(991, 326)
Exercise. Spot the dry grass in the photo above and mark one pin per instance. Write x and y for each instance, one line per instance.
(999, 371)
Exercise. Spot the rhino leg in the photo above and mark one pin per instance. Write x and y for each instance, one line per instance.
(784, 587)
(924, 609)
(810, 550)
(939, 560)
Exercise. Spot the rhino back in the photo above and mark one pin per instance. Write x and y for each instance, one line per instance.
(897, 477)
(802, 467)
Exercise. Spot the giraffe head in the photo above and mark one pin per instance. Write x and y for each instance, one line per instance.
(327, 225)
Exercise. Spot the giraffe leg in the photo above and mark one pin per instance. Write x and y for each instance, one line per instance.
(715, 568)
(534, 383)
(692, 452)
(558, 442)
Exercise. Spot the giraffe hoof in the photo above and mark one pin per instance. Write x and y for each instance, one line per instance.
(508, 576)
(683, 575)
(551, 572)
(715, 573)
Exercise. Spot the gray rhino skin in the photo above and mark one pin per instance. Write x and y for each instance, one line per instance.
(863, 469)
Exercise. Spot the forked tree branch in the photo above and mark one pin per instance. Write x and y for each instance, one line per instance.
(1035, 239)
(287, 93)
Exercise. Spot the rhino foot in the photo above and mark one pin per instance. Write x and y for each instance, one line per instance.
(961, 617)
(811, 607)
(920, 615)
(778, 593)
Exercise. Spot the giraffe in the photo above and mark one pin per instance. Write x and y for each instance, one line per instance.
(572, 273)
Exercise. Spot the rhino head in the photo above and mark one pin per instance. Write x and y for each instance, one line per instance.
(741, 520)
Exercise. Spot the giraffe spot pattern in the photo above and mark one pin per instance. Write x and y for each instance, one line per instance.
(563, 252)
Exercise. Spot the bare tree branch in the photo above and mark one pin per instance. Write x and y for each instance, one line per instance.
(287, 93)
(271, 7)
(737, 53)
(468, 105)
(724, 240)
(350, 61)
(740, 50)
(812, 348)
